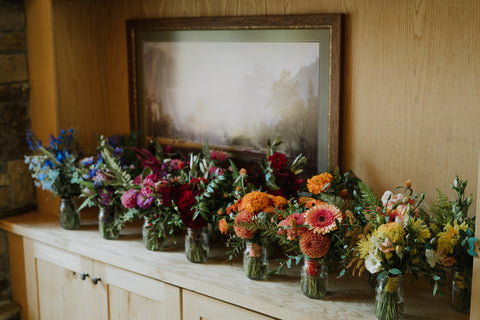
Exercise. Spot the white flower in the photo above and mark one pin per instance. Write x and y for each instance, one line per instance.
(386, 197)
(373, 263)
(432, 257)
(389, 199)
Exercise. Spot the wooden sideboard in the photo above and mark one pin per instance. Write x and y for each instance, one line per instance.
(59, 274)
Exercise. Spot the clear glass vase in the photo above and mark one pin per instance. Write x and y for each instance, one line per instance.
(196, 245)
(314, 278)
(106, 222)
(461, 289)
(69, 216)
(153, 235)
(255, 261)
(389, 298)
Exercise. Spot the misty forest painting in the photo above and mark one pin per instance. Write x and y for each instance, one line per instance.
(233, 94)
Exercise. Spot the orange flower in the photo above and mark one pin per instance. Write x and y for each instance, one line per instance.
(314, 245)
(310, 202)
(278, 201)
(408, 184)
(255, 201)
(223, 226)
(242, 232)
(319, 183)
(243, 172)
(290, 225)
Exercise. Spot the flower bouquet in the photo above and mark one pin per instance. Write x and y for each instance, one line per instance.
(254, 222)
(53, 167)
(207, 192)
(453, 243)
(392, 245)
(281, 179)
(96, 179)
(147, 195)
(310, 231)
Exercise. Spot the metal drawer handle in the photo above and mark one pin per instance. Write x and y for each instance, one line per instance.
(95, 280)
(83, 276)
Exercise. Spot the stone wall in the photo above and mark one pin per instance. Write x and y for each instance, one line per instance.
(16, 189)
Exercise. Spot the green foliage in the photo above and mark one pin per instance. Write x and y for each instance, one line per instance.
(368, 199)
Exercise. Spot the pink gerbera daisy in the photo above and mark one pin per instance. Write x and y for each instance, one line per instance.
(322, 218)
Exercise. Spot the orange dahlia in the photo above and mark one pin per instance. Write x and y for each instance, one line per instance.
(314, 245)
(241, 231)
(322, 218)
(319, 183)
(255, 201)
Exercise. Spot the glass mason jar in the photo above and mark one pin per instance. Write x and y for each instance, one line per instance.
(153, 235)
(255, 261)
(69, 216)
(106, 222)
(389, 298)
(461, 289)
(314, 278)
(196, 245)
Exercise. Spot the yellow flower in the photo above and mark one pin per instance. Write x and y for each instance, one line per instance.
(448, 238)
(421, 230)
(392, 230)
(319, 183)
(364, 246)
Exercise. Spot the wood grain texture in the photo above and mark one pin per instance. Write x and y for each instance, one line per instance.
(17, 273)
(409, 89)
(279, 297)
(199, 307)
(132, 296)
(42, 70)
(31, 309)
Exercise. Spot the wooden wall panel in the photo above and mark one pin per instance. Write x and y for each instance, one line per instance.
(410, 98)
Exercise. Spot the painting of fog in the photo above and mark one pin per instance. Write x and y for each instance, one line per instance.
(235, 94)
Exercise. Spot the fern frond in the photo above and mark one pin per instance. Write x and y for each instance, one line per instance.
(122, 177)
(369, 199)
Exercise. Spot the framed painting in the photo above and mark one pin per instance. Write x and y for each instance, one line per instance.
(237, 82)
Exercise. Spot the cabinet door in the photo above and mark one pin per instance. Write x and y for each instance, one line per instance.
(200, 307)
(56, 288)
(132, 296)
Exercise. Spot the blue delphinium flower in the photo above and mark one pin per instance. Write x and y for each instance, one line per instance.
(53, 166)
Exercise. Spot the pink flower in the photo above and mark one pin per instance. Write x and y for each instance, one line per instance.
(144, 201)
(146, 191)
(150, 180)
(177, 164)
(129, 199)
(213, 170)
(168, 149)
(218, 155)
(137, 180)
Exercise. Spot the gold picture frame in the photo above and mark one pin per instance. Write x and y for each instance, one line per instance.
(265, 75)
